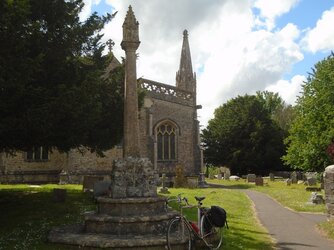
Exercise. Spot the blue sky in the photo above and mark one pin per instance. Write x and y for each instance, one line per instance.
(238, 47)
(305, 15)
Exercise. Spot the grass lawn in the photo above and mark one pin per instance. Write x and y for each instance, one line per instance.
(27, 213)
(294, 197)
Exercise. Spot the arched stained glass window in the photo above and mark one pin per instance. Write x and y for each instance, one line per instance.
(166, 141)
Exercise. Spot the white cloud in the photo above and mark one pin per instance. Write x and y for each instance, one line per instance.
(288, 90)
(231, 55)
(271, 9)
(321, 37)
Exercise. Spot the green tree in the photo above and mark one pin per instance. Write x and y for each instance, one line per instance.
(51, 90)
(271, 101)
(243, 137)
(312, 131)
(280, 112)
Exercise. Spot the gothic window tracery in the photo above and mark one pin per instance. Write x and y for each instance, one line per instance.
(166, 142)
(37, 154)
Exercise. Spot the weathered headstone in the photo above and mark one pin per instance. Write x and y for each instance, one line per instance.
(293, 177)
(219, 176)
(227, 175)
(251, 178)
(329, 190)
(64, 177)
(164, 189)
(316, 198)
(102, 188)
(89, 181)
(259, 181)
(272, 177)
(311, 181)
(180, 179)
(288, 182)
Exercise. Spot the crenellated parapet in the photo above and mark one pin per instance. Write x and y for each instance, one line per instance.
(167, 92)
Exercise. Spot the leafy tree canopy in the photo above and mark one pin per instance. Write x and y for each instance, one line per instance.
(282, 113)
(243, 137)
(312, 131)
(51, 90)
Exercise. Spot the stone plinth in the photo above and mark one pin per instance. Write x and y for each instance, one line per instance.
(131, 206)
(329, 190)
(133, 177)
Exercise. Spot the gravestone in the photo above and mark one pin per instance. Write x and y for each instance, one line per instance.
(164, 189)
(259, 181)
(251, 178)
(311, 181)
(272, 177)
(219, 176)
(293, 177)
(316, 198)
(329, 190)
(288, 182)
(89, 181)
(227, 176)
(102, 188)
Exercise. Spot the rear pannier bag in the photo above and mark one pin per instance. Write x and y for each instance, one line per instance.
(218, 216)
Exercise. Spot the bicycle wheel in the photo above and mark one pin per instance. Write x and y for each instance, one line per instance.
(212, 236)
(178, 234)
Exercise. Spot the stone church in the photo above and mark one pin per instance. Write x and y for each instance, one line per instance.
(169, 137)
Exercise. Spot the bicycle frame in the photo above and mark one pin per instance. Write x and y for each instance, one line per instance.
(198, 233)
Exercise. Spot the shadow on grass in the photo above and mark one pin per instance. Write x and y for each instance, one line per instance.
(243, 239)
(27, 216)
(232, 186)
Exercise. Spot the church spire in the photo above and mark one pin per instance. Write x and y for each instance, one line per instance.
(185, 78)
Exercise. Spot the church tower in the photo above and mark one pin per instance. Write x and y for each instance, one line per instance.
(185, 78)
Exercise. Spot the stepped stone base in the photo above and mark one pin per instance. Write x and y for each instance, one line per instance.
(132, 217)
(129, 229)
(76, 235)
(131, 206)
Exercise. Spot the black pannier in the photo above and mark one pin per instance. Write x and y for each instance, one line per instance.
(218, 216)
(207, 224)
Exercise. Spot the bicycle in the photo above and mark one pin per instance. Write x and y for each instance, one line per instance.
(182, 231)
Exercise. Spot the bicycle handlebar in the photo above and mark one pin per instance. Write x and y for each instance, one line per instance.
(179, 200)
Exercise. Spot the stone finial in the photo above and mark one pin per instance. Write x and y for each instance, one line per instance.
(130, 30)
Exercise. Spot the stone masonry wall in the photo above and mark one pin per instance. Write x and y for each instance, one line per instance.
(85, 161)
(16, 169)
(183, 116)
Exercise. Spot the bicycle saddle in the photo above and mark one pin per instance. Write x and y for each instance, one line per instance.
(199, 198)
